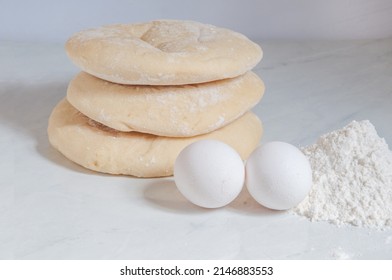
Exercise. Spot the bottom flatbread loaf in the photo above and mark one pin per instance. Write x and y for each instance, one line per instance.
(103, 149)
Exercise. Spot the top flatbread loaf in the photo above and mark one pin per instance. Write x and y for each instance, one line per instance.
(163, 52)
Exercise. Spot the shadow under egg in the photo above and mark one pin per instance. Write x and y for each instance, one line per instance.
(163, 193)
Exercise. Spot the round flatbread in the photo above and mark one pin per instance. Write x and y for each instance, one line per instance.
(103, 149)
(175, 111)
(163, 52)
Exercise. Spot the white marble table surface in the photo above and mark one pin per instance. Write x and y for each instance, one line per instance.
(51, 208)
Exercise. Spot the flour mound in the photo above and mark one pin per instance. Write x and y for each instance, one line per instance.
(352, 178)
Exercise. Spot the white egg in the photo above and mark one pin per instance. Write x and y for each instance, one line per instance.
(209, 173)
(278, 175)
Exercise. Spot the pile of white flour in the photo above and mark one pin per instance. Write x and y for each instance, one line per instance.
(352, 178)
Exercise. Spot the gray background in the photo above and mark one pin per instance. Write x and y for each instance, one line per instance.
(55, 21)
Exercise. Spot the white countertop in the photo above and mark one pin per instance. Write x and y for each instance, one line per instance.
(50, 208)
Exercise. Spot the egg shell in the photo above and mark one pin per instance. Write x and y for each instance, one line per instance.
(278, 175)
(209, 173)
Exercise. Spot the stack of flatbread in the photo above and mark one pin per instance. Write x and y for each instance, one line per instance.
(148, 90)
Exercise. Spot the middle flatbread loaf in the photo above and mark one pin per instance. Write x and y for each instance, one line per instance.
(175, 111)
